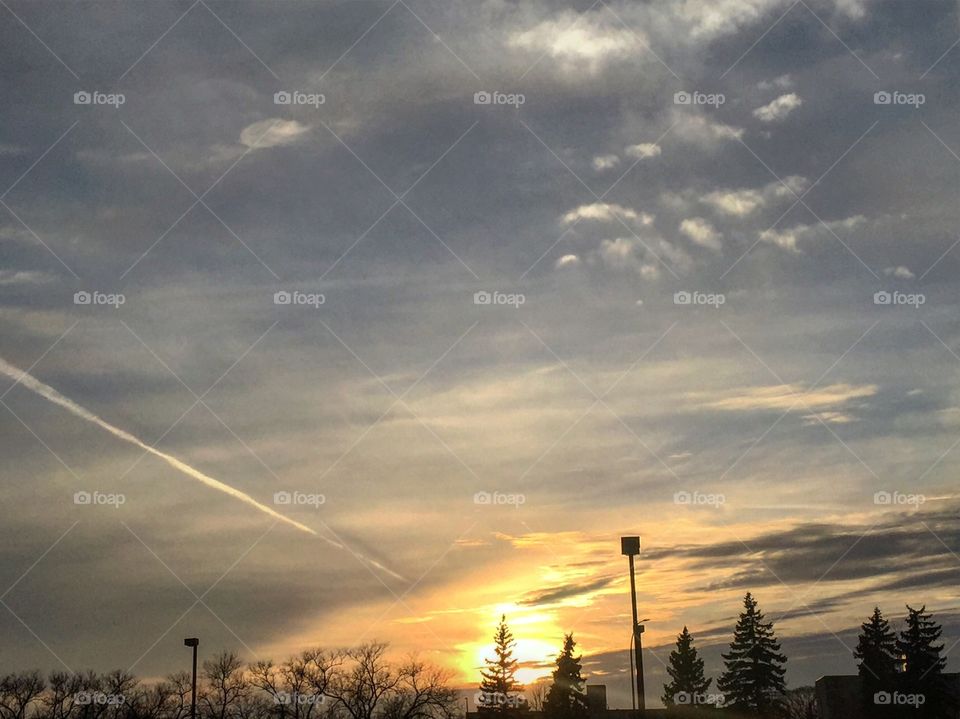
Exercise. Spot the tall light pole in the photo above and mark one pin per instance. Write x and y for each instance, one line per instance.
(630, 546)
(194, 642)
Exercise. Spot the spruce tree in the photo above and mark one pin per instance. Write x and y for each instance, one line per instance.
(686, 674)
(500, 693)
(877, 655)
(566, 698)
(753, 679)
(923, 664)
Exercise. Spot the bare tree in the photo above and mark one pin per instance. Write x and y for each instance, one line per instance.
(18, 692)
(421, 692)
(363, 682)
(297, 687)
(225, 687)
(801, 703)
(538, 694)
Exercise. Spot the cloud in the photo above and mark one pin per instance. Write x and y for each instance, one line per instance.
(788, 239)
(701, 233)
(602, 163)
(745, 201)
(567, 261)
(24, 277)
(900, 272)
(272, 133)
(782, 82)
(607, 212)
(784, 397)
(623, 253)
(643, 150)
(567, 591)
(704, 132)
(779, 108)
(588, 40)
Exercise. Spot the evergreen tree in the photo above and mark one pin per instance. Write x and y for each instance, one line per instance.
(877, 653)
(753, 679)
(686, 673)
(923, 665)
(500, 693)
(566, 698)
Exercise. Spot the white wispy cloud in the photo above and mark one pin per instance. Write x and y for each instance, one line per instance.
(607, 212)
(643, 150)
(778, 109)
(602, 163)
(701, 233)
(272, 133)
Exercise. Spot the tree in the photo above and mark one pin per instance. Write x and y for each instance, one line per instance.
(566, 697)
(877, 655)
(225, 688)
(754, 668)
(686, 673)
(500, 693)
(538, 694)
(923, 665)
(422, 692)
(18, 692)
(801, 703)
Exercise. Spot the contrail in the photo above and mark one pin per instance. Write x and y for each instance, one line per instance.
(49, 393)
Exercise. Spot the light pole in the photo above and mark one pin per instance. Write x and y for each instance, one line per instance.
(194, 642)
(630, 546)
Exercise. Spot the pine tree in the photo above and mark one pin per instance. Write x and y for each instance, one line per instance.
(753, 679)
(500, 693)
(566, 698)
(923, 664)
(877, 653)
(686, 673)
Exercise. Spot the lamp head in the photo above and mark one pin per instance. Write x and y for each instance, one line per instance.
(630, 546)
(191, 642)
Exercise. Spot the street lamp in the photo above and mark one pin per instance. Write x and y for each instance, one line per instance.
(630, 547)
(194, 642)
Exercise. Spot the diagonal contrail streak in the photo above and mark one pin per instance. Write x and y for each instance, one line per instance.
(52, 395)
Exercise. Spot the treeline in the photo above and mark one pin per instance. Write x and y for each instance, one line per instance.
(357, 683)
(900, 675)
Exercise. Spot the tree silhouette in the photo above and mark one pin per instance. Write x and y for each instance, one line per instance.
(500, 693)
(923, 665)
(566, 698)
(753, 680)
(686, 673)
(877, 654)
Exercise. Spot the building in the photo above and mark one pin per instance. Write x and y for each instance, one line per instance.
(839, 696)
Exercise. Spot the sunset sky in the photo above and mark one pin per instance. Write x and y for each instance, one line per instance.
(779, 163)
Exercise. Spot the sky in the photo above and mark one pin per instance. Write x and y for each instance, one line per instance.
(365, 320)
